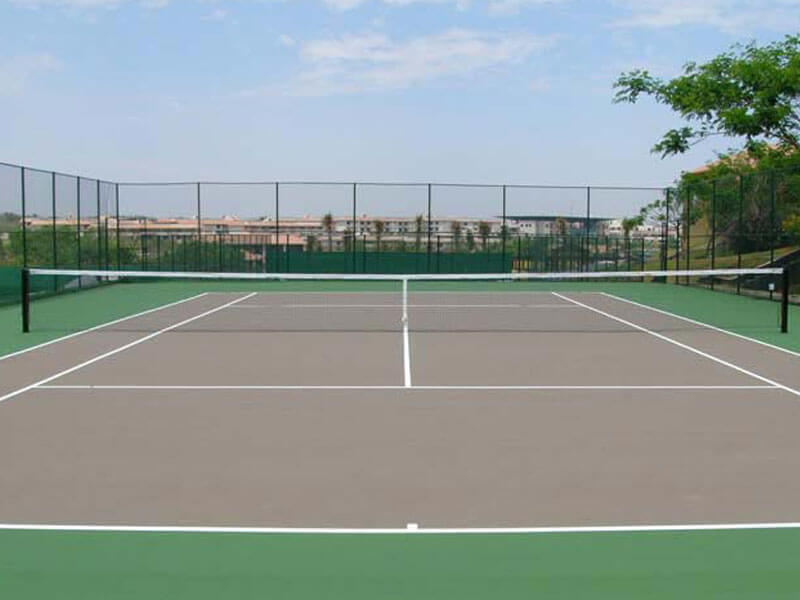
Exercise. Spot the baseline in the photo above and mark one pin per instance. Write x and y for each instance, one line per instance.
(408, 387)
(410, 528)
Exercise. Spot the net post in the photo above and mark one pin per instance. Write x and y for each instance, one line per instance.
(26, 300)
(785, 300)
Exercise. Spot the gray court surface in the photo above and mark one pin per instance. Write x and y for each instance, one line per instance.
(333, 411)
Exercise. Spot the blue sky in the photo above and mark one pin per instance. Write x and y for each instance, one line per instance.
(409, 90)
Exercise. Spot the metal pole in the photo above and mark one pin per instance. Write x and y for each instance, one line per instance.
(688, 229)
(26, 299)
(78, 214)
(713, 227)
(116, 210)
(587, 226)
(503, 233)
(24, 218)
(739, 234)
(198, 254)
(99, 228)
(785, 300)
(772, 228)
(353, 233)
(428, 252)
(55, 235)
(665, 240)
(277, 227)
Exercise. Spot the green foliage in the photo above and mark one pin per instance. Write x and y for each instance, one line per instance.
(457, 232)
(470, 240)
(630, 223)
(750, 92)
(311, 243)
(484, 229)
(791, 225)
(9, 222)
(327, 225)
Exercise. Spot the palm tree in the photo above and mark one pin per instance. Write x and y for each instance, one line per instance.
(419, 227)
(379, 227)
(629, 224)
(483, 230)
(311, 243)
(456, 229)
(349, 240)
(470, 240)
(327, 225)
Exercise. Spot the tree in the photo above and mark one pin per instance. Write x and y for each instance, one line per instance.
(750, 92)
(311, 243)
(561, 226)
(791, 225)
(470, 240)
(629, 224)
(483, 231)
(349, 240)
(327, 225)
(419, 228)
(379, 228)
(456, 229)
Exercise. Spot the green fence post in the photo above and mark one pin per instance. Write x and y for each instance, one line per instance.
(740, 234)
(78, 224)
(55, 231)
(116, 212)
(713, 227)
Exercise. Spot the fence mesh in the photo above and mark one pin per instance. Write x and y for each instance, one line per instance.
(64, 221)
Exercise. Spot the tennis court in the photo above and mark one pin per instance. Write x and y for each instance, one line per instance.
(500, 406)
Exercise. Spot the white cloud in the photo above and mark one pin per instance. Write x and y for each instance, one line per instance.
(88, 4)
(512, 7)
(496, 7)
(17, 71)
(218, 14)
(734, 16)
(539, 85)
(374, 62)
(286, 40)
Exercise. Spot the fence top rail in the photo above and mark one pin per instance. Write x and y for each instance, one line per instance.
(58, 173)
(407, 277)
(433, 184)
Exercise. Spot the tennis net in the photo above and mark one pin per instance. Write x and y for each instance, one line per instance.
(68, 300)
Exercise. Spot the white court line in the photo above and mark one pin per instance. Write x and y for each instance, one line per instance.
(702, 324)
(408, 387)
(395, 306)
(117, 350)
(274, 292)
(684, 346)
(402, 530)
(96, 327)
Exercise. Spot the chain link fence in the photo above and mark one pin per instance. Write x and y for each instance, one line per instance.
(50, 219)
